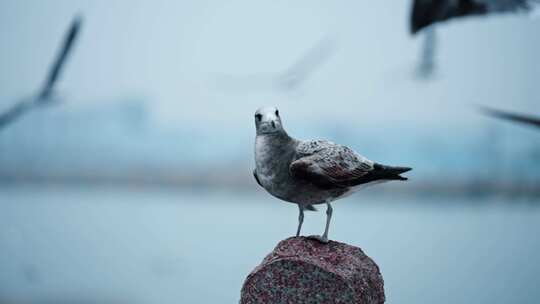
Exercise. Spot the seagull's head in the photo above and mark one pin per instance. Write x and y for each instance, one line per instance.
(267, 121)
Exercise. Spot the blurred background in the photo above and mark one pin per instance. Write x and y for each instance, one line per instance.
(134, 185)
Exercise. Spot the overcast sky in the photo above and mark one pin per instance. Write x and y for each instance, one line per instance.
(172, 52)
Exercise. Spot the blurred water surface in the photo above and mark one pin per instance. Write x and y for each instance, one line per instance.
(109, 245)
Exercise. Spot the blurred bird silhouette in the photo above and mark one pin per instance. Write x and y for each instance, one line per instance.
(45, 95)
(292, 78)
(513, 117)
(427, 12)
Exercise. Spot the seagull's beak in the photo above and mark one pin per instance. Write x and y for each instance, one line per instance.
(269, 126)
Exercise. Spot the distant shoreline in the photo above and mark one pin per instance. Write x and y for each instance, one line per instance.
(460, 188)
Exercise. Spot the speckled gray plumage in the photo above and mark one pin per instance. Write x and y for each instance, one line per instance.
(329, 165)
(287, 168)
(273, 162)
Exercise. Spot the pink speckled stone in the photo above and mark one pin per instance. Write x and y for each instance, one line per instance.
(302, 270)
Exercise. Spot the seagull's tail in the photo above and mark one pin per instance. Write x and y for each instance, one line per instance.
(389, 172)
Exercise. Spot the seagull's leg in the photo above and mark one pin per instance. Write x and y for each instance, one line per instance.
(324, 238)
(300, 219)
(328, 218)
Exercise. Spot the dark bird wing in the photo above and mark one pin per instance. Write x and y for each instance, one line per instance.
(426, 12)
(328, 165)
(514, 117)
(14, 112)
(23, 106)
(60, 60)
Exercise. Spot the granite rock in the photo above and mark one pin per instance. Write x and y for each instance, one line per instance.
(302, 270)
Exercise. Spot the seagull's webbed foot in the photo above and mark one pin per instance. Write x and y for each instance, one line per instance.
(321, 238)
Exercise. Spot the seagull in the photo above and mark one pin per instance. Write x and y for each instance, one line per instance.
(46, 92)
(292, 78)
(525, 119)
(427, 12)
(310, 172)
(304, 67)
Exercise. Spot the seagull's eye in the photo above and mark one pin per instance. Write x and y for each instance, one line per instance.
(258, 116)
(277, 113)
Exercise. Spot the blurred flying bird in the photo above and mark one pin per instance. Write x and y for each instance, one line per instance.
(533, 121)
(291, 78)
(299, 72)
(310, 172)
(427, 12)
(44, 96)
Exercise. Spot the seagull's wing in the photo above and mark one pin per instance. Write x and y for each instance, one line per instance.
(508, 5)
(14, 112)
(328, 165)
(58, 64)
(514, 117)
(23, 106)
(427, 12)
